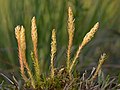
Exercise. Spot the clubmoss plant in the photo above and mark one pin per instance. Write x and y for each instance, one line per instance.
(86, 39)
(59, 78)
(70, 34)
(53, 52)
(20, 35)
(35, 50)
(17, 33)
(101, 61)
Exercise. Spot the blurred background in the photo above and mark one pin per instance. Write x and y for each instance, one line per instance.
(53, 14)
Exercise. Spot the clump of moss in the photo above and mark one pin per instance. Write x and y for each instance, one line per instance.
(60, 78)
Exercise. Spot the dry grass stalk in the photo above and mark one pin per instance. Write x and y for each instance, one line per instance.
(17, 34)
(53, 51)
(22, 50)
(35, 50)
(86, 39)
(101, 61)
(70, 34)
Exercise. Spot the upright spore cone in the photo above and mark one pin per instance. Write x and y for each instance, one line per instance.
(34, 32)
(22, 39)
(17, 32)
(90, 34)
